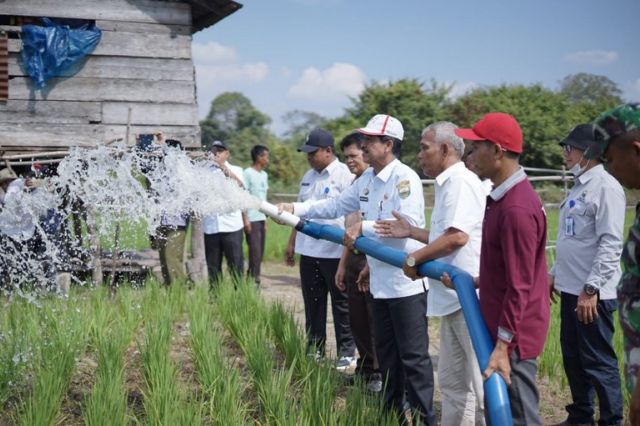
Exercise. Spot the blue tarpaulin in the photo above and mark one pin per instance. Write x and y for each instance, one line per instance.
(51, 49)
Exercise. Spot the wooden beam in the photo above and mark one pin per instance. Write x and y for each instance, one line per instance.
(96, 89)
(53, 112)
(120, 67)
(175, 13)
(150, 114)
(17, 137)
(143, 45)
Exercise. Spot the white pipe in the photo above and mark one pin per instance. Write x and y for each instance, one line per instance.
(272, 211)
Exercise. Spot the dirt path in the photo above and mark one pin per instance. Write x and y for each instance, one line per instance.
(280, 282)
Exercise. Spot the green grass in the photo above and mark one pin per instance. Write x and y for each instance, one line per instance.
(220, 379)
(64, 336)
(111, 333)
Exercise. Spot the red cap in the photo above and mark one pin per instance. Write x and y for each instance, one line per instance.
(497, 127)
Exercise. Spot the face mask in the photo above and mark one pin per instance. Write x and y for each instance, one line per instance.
(577, 169)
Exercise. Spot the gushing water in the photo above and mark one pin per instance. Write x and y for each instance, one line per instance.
(103, 186)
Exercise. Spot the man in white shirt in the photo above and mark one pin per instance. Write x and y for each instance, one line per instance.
(223, 232)
(586, 272)
(399, 303)
(319, 259)
(454, 237)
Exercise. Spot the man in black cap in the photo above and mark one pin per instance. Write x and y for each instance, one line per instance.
(319, 259)
(223, 232)
(586, 272)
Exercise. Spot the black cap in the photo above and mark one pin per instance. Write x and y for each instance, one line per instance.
(583, 137)
(317, 139)
(174, 143)
(218, 144)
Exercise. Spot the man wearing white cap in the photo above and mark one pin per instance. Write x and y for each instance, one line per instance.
(399, 304)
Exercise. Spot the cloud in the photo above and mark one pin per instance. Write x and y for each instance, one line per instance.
(218, 69)
(631, 91)
(333, 84)
(592, 57)
(212, 53)
(460, 88)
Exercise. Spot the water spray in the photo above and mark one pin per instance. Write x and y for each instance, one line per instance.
(495, 388)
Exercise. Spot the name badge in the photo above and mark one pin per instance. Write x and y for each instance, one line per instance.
(569, 227)
(364, 199)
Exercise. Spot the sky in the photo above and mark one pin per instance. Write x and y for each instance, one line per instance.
(313, 55)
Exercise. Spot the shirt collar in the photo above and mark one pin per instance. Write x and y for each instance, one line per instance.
(385, 173)
(330, 168)
(505, 186)
(586, 176)
(448, 172)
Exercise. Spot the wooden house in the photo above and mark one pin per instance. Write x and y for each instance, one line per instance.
(140, 76)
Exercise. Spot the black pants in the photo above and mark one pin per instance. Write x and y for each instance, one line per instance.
(361, 316)
(317, 278)
(228, 244)
(256, 240)
(590, 362)
(402, 346)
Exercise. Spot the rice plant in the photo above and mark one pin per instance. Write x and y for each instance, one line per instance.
(112, 331)
(63, 338)
(19, 343)
(220, 380)
(165, 401)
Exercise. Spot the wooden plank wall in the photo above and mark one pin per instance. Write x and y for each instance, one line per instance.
(143, 61)
(4, 67)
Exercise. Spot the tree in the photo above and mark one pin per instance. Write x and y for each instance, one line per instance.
(590, 88)
(234, 120)
(545, 117)
(301, 122)
(590, 94)
(407, 100)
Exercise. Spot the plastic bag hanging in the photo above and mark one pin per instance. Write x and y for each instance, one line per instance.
(51, 49)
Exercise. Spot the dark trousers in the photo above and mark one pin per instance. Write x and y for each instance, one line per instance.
(402, 346)
(361, 317)
(227, 244)
(256, 240)
(317, 278)
(590, 362)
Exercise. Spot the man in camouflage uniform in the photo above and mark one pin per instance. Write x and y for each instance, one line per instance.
(619, 133)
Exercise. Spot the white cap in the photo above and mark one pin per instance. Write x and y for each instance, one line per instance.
(383, 125)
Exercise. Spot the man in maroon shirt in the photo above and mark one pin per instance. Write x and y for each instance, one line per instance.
(514, 295)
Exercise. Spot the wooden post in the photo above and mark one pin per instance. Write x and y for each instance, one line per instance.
(96, 272)
(197, 265)
(114, 260)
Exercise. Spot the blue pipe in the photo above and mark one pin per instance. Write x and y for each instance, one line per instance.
(495, 389)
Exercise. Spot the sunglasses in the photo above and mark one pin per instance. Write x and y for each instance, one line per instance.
(567, 149)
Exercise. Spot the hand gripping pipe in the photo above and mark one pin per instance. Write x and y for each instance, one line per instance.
(495, 389)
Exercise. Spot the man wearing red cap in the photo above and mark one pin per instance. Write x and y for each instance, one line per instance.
(514, 295)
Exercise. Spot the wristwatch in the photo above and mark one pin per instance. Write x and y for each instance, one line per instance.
(410, 261)
(590, 290)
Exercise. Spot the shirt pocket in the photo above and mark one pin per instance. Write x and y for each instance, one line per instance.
(583, 221)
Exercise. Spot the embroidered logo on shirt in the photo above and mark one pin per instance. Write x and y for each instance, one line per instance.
(404, 188)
